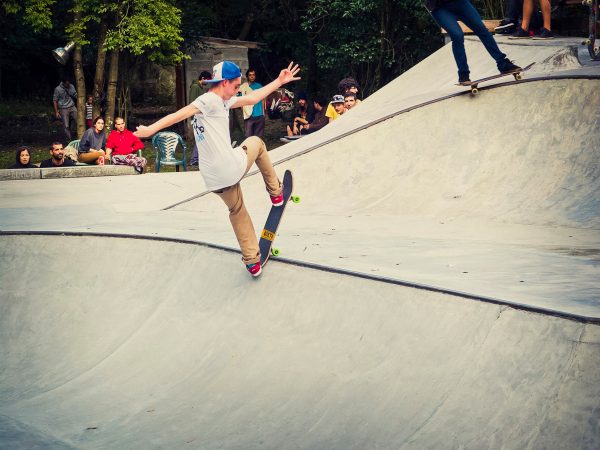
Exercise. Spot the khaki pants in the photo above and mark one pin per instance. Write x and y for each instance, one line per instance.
(90, 157)
(241, 222)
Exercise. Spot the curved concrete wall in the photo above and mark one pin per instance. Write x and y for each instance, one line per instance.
(125, 343)
(525, 153)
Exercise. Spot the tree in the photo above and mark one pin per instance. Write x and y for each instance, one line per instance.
(149, 27)
(372, 40)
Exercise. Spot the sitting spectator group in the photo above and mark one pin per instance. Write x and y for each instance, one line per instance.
(119, 148)
(94, 148)
(307, 119)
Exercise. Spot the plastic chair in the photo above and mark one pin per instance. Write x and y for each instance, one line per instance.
(165, 143)
(74, 144)
(71, 151)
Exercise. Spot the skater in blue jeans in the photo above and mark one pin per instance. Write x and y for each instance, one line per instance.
(447, 13)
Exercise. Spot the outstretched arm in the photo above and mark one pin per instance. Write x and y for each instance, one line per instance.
(285, 76)
(143, 131)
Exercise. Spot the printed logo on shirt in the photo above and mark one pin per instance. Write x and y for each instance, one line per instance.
(198, 129)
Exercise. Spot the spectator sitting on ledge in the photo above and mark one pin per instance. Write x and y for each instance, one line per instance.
(57, 159)
(122, 144)
(319, 120)
(22, 159)
(93, 143)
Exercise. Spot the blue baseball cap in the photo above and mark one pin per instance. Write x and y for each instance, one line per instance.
(225, 70)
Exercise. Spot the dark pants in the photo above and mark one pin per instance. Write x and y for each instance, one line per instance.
(254, 126)
(68, 116)
(448, 15)
(514, 10)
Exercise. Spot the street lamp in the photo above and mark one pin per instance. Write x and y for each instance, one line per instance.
(61, 54)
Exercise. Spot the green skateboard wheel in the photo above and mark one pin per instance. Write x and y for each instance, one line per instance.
(296, 198)
(274, 251)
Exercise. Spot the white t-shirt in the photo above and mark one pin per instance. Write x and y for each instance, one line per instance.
(220, 165)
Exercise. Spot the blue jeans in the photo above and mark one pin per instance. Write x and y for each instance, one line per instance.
(447, 16)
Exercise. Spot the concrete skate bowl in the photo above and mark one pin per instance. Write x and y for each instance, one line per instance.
(132, 343)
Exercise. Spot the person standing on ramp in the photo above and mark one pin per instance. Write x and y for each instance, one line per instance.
(447, 13)
(223, 167)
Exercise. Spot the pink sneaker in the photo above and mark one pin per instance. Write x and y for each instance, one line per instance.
(277, 200)
(254, 269)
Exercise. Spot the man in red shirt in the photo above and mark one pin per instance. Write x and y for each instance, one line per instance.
(122, 144)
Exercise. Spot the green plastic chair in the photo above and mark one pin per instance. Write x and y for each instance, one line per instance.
(165, 143)
(74, 144)
(71, 151)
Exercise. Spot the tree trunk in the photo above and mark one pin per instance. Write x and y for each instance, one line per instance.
(111, 91)
(382, 37)
(79, 78)
(245, 31)
(123, 104)
(80, 87)
(312, 83)
(1, 73)
(100, 64)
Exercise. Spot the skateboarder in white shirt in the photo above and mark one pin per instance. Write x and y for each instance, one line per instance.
(221, 166)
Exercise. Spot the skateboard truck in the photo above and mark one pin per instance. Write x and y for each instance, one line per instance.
(475, 89)
(518, 76)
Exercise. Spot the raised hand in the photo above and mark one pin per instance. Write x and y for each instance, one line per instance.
(142, 131)
(289, 74)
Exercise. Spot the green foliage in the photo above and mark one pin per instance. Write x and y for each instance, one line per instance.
(374, 40)
(37, 12)
(150, 27)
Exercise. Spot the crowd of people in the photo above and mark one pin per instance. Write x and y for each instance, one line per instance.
(306, 116)
(120, 147)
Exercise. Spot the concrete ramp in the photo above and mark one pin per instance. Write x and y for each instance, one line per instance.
(496, 195)
(192, 355)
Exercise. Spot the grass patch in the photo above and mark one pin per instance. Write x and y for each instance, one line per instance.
(16, 108)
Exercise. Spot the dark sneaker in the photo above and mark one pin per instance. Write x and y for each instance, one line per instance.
(463, 79)
(506, 26)
(506, 66)
(277, 200)
(254, 269)
(544, 34)
(520, 34)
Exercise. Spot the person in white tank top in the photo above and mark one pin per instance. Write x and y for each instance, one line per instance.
(221, 166)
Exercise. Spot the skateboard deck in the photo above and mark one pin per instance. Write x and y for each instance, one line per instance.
(269, 231)
(474, 85)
